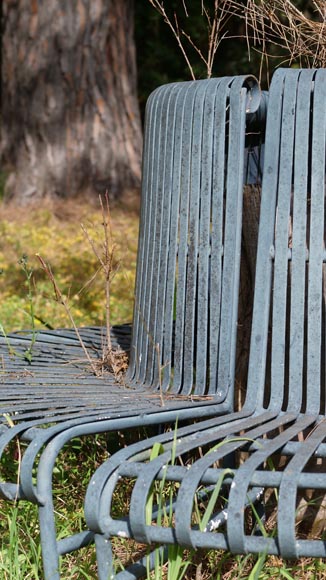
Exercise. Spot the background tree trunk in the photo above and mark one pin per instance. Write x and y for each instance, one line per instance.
(70, 117)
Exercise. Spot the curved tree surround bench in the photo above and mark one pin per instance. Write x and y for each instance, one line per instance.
(184, 336)
(257, 478)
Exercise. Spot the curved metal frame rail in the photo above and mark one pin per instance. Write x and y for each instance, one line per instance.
(277, 448)
(182, 353)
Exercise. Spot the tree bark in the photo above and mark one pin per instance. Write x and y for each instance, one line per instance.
(70, 117)
(251, 209)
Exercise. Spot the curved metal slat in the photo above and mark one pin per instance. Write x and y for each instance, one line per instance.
(232, 241)
(263, 279)
(161, 243)
(280, 279)
(143, 308)
(150, 124)
(299, 246)
(183, 192)
(192, 245)
(316, 242)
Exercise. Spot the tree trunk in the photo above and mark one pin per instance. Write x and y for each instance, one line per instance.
(251, 209)
(70, 118)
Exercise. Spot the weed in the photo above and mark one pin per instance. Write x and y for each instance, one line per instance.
(61, 299)
(20, 554)
(112, 360)
(28, 352)
(29, 276)
(176, 563)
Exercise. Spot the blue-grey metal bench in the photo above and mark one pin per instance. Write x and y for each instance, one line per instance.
(270, 454)
(182, 352)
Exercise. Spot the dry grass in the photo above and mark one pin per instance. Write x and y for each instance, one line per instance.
(279, 30)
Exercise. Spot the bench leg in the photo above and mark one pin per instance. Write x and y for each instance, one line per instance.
(50, 554)
(105, 565)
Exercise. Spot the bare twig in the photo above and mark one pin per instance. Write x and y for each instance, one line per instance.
(279, 23)
(114, 360)
(60, 298)
(215, 31)
(175, 30)
(105, 254)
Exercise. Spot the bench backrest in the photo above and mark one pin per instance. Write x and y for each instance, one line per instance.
(289, 304)
(187, 284)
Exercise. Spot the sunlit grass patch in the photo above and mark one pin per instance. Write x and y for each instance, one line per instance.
(62, 243)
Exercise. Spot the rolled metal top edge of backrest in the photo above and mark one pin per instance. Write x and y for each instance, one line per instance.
(189, 167)
(287, 352)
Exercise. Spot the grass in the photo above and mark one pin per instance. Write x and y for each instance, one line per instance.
(56, 234)
(20, 556)
(54, 231)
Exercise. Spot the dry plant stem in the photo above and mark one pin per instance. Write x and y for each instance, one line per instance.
(114, 360)
(215, 35)
(104, 256)
(107, 265)
(62, 300)
(215, 27)
(282, 24)
(175, 31)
